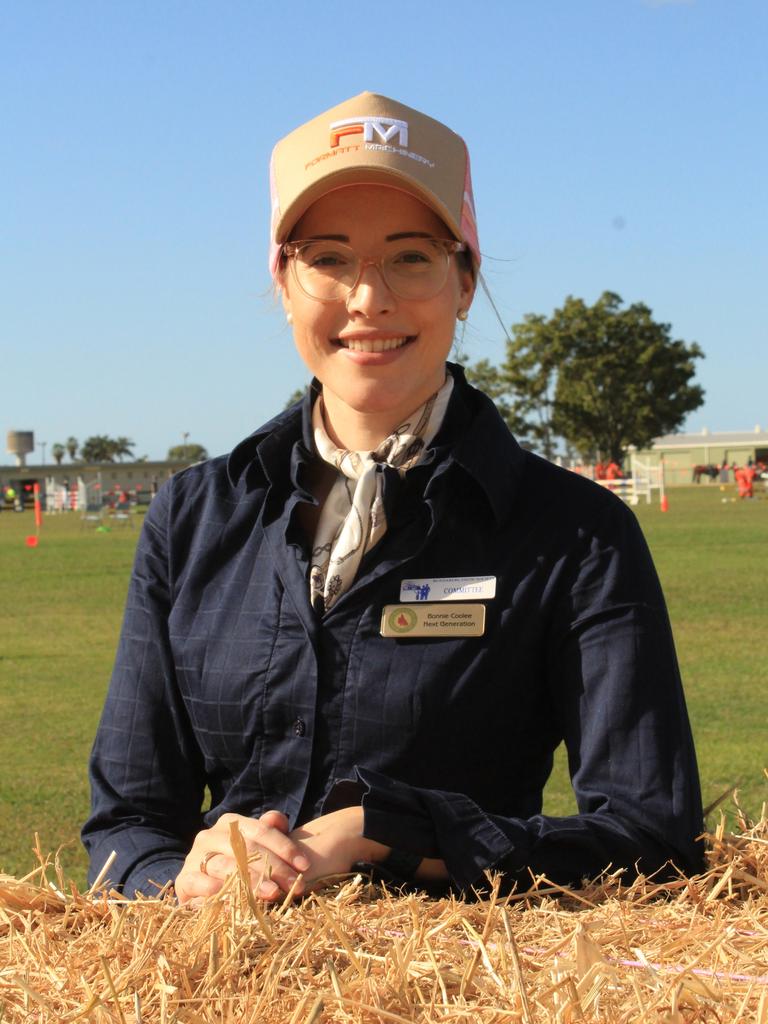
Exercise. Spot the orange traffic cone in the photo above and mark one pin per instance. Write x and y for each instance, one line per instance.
(664, 503)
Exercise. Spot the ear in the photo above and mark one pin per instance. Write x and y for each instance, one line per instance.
(467, 286)
(285, 298)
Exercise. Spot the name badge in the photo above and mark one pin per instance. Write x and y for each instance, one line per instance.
(449, 588)
(403, 620)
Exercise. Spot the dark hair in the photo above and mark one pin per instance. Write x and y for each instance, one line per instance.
(465, 262)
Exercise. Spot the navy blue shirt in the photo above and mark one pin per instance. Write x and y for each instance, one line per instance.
(226, 677)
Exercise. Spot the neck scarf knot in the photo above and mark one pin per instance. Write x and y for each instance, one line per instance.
(352, 519)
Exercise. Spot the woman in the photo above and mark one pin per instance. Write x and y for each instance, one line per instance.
(368, 628)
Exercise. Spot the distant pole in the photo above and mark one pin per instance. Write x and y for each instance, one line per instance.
(663, 502)
(38, 511)
(43, 445)
(185, 437)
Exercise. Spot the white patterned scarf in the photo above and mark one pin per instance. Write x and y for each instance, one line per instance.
(352, 519)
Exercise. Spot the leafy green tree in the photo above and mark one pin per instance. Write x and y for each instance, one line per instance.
(122, 446)
(187, 453)
(295, 396)
(58, 451)
(72, 445)
(102, 448)
(98, 448)
(517, 399)
(601, 377)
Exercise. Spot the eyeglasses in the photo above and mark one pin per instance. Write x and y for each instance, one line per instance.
(412, 268)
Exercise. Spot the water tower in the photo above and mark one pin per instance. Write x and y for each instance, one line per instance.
(20, 443)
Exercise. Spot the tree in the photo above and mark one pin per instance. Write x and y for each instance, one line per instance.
(122, 446)
(295, 396)
(600, 377)
(98, 448)
(187, 453)
(71, 446)
(102, 448)
(58, 451)
(517, 397)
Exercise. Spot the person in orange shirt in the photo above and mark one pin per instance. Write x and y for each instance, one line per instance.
(745, 478)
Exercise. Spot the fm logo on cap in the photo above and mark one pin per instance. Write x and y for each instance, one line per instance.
(385, 127)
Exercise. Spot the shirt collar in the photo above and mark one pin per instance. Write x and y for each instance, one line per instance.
(481, 443)
(269, 449)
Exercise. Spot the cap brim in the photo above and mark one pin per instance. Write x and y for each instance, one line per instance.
(360, 176)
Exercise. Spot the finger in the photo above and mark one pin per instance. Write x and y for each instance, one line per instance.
(269, 890)
(264, 866)
(193, 884)
(259, 837)
(267, 874)
(276, 819)
(219, 866)
(271, 878)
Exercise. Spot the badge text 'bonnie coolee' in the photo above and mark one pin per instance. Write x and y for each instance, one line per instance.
(432, 620)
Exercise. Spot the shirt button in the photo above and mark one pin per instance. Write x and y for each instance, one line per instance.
(299, 727)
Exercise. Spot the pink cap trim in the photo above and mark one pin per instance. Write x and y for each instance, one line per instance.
(274, 248)
(468, 218)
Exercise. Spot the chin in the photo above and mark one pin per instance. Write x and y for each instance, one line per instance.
(375, 400)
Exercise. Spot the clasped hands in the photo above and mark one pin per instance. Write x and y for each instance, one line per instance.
(328, 845)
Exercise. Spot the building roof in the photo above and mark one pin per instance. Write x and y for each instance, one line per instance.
(756, 438)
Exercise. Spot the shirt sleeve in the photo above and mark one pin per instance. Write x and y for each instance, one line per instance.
(146, 773)
(615, 692)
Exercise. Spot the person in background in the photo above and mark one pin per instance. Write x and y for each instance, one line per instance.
(366, 630)
(745, 478)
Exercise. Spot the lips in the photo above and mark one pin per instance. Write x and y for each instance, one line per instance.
(374, 344)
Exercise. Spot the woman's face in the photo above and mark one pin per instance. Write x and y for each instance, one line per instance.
(335, 339)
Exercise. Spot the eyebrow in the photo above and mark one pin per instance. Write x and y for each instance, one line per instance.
(389, 238)
(409, 234)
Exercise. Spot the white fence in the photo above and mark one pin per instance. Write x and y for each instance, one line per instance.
(642, 481)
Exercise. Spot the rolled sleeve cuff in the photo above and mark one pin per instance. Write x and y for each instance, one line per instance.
(149, 878)
(433, 823)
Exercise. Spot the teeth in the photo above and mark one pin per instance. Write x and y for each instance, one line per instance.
(377, 345)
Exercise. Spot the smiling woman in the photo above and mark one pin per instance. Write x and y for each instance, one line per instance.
(367, 630)
(378, 353)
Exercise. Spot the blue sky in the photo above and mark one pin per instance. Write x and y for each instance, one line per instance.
(616, 144)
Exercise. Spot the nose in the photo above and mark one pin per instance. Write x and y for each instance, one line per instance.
(370, 296)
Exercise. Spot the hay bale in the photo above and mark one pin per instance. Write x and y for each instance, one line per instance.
(692, 950)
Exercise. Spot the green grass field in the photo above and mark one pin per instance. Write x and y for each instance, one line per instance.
(61, 606)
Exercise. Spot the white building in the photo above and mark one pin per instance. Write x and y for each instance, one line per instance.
(682, 453)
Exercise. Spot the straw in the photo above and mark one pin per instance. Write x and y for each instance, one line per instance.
(693, 949)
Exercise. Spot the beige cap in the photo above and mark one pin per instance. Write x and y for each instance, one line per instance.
(372, 139)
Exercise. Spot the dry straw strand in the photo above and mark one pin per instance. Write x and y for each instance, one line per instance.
(690, 950)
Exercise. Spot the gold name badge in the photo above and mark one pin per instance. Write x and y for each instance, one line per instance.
(439, 619)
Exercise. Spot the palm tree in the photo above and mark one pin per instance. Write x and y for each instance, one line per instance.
(58, 451)
(98, 448)
(72, 446)
(122, 446)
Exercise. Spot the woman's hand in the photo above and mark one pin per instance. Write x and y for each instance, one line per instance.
(326, 846)
(334, 842)
(266, 836)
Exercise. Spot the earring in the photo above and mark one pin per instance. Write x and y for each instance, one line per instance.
(462, 314)
(289, 318)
